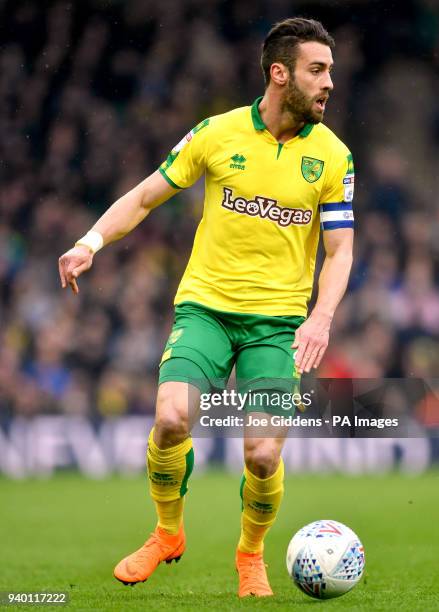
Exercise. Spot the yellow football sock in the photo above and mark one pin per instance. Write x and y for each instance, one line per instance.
(261, 499)
(168, 471)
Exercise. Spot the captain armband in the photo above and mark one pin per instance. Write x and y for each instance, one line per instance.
(336, 215)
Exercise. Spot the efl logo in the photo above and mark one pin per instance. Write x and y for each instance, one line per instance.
(266, 209)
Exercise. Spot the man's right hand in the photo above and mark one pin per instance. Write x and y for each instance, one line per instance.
(72, 264)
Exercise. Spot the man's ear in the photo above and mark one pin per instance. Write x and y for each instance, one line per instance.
(279, 73)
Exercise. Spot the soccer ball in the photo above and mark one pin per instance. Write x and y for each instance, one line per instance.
(325, 559)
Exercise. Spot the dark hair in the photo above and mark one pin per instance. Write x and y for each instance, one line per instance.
(281, 42)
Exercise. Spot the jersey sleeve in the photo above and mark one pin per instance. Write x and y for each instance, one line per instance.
(188, 159)
(337, 194)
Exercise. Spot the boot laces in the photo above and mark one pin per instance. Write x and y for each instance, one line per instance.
(254, 572)
(153, 546)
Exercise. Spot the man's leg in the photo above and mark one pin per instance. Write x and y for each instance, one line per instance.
(198, 353)
(170, 456)
(170, 463)
(265, 365)
(261, 492)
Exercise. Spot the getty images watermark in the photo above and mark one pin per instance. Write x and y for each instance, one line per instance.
(317, 408)
(269, 402)
(253, 402)
(254, 399)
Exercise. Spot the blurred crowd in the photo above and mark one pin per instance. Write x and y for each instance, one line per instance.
(93, 95)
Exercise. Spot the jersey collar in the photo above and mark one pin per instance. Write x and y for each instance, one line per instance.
(259, 125)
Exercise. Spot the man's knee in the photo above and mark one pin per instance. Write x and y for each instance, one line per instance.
(170, 429)
(172, 419)
(262, 457)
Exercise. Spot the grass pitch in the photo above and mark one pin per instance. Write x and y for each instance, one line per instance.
(67, 533)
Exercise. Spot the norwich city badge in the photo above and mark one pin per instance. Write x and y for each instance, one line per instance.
(312, 169)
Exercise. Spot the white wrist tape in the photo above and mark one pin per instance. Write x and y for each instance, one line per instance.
(92, 240)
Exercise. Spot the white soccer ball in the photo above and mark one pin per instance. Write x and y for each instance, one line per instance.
(325, 559)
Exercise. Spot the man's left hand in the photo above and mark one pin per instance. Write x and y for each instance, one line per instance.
(311, 341)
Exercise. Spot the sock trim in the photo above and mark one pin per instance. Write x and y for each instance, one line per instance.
(241, 491)
(189, 467)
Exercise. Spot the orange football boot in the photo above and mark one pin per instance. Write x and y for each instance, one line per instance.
(161, 546)
(252, 575)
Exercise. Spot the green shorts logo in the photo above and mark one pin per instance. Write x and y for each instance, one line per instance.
(312, 169)
(175, 335)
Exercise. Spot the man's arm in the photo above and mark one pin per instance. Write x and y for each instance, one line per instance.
(312, 336)
(122, 217)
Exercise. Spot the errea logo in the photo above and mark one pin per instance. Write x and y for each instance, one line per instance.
(238, 161)
(266, 209)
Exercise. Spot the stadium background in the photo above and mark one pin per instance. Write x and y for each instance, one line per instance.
(93, 95)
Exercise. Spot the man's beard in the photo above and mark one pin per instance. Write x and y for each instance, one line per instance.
(299, 105)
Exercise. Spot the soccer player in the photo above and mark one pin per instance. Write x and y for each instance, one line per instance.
(274, 177)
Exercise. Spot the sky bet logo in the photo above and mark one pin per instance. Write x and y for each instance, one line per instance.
(266, 209)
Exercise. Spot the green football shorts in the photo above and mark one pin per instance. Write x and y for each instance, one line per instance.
(205, 344)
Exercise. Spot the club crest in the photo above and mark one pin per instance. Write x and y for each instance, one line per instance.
(312, 169)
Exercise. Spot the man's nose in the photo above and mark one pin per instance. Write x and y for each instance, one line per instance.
(328, 84)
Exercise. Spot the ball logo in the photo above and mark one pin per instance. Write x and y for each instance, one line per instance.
(330, 528)
(266, 209)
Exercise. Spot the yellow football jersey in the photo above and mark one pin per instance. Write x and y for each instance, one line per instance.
(255, 247)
